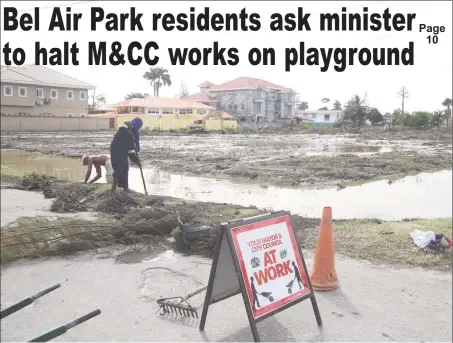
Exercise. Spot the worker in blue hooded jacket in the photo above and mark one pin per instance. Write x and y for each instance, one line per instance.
(125, 145)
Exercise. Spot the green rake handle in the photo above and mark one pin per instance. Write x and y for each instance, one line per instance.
(64, 328)
(24, 303)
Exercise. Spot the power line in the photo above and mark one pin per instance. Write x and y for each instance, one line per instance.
(64, 5)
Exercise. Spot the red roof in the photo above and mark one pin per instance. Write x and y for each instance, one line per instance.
(248, 83)
(225, 115)
(206, 84)
(203, 97)
(159, 102)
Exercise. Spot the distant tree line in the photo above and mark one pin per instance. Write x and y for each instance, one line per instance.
(356, 113)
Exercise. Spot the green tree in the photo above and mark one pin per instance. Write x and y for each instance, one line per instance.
(303, 105)
(447, 104)
(337, 105)
(355, 111)
(136, 95)
(323, 108)
(152, 77)
(419, 120)
(437, 118)
(374, 116)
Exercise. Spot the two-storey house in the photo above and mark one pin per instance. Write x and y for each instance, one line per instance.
(249, 99)
(34, 90)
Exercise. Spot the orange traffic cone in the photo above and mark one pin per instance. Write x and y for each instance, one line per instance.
(323, 275)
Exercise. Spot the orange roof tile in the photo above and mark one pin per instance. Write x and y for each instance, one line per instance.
(202, 96)
(158, 102)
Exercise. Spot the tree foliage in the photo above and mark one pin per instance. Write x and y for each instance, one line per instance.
(355, 111)
(447, 104)
(158, 77)
(374, 116)
(303, 105)
(337, 105)
(136, 95)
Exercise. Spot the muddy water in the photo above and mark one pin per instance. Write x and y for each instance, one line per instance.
(427, 195)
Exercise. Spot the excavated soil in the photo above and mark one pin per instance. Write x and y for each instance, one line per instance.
(291, 159)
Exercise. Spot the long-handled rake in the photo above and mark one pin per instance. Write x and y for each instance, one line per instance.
(176, 305)
(24, 303)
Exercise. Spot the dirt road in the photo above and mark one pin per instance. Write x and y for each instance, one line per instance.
(373, 304)
(301, 160)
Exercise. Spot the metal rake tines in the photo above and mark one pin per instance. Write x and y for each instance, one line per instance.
(183, 310)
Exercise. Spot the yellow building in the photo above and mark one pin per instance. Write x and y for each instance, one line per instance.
(165, 114)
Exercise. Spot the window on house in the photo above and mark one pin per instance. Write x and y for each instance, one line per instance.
(8, 91)
(167, 111)
(53, 94)
(313, 116)
(326, 117)
(153, 110)
(83, 115)
(182, 111)
(23, 92)
(39, 93)
(83, 95)
(70, 95)
(189, 110)
(70, 114)
(201, 111)
(338, 115)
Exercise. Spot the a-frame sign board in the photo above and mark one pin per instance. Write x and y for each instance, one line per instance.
(259, 258)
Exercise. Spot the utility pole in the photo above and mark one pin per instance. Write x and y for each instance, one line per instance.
(403, 94)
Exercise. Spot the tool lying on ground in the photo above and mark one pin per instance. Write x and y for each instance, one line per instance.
(175, 304)
(55, 332)
(64, 328)
(24, 303)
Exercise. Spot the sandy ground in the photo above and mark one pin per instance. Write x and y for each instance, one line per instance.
(372, 304)
(302, 160)
(18, 203)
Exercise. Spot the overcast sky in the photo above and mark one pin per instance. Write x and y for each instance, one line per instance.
(429, 81)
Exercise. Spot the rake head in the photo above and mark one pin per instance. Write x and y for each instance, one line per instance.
(177, 307)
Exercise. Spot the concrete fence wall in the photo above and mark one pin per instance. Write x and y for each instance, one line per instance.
(52, 124)
(172, 123)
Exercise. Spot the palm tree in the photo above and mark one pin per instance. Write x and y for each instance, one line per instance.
(447, 103)
(337, 105)
(303, 106)
(152, 76)
(159, 77)
(136, 95)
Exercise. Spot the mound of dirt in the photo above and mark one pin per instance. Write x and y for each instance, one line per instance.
(72, 197)
(151, 220)
(118, 203)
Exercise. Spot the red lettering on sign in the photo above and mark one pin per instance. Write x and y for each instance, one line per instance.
(261, 276)
(280, 271)
(269, 257)
(286, 267)
(273, 272)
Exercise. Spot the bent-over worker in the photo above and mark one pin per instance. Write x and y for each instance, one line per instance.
(98, 161)
(124, 146)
